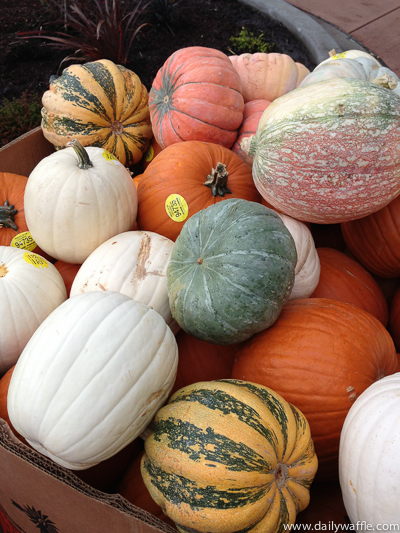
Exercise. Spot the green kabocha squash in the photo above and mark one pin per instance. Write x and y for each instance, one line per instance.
(229, 456)
(99, 104)
(232, 269)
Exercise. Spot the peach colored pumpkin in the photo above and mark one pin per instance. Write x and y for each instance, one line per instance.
(267, 76)
(251, 117)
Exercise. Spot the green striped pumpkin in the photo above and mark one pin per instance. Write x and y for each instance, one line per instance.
(229, 456)
(231, 270)
(99, 104)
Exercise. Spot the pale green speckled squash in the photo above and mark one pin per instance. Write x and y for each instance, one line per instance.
(231, 271)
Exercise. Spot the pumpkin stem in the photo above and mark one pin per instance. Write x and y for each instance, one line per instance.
(7, 216)
(3, 270)
(217, 181)
(281, 474)
(83, 157)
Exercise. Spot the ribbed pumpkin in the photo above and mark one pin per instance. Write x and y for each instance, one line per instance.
(329, 152)
(100, 104)
(374, 240)
(343, 278)
(231, 270)
(187, 177)
(251, 117)
(196, 95)
(228, 456)
(369, 458)
(394, 319)
(91, 378)
(319, 355)
(267, 76)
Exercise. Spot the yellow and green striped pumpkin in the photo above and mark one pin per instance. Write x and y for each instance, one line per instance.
(229, 456)
(99, 104)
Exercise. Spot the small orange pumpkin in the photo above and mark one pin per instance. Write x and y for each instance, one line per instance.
(187, 177)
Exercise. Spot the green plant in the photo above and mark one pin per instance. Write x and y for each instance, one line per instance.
(19, 115)
(246, 41)
(99, 30)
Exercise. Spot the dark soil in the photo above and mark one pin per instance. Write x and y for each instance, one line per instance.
(26, 66)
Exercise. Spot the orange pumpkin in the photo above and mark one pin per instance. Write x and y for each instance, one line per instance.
(267, 76)
(343, 278)
(202, 361)
(187, 177)
(4, 384)
(374, 240)
(251, 117)
(394, 319)
(68, 272)
(320, 355)
(196, 95)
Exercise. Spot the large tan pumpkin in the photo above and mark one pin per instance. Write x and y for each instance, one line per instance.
(267, 76)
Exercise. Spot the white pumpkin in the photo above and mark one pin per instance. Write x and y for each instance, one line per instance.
(350, 54)
(308, 267)
(91, 378)
(30, 289)
(132, 263)
(369, 457)
(75, 199)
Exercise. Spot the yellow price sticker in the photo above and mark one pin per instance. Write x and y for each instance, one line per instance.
(35, 260)
(109, 157)
(149, 154)
(176, 207)
(339, 56)
(24, 240)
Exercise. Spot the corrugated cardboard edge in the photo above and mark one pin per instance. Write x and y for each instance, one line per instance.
(29, 458)
(21, 155)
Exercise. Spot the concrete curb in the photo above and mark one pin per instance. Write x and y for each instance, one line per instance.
(318, 37)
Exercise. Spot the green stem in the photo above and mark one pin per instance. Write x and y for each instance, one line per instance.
(83, 157)
(7, 216)
(218, 181)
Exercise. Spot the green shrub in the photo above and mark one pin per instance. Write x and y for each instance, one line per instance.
(248, 42)
(19, 115)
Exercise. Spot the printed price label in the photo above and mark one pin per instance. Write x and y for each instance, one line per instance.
(110, 157)
(24, 240)
(176, 207)
(339, 56)
(36, 260)
(148, 156)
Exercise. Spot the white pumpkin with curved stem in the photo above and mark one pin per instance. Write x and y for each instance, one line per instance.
(132, 263)
(91, 378)
(369, 458)
(76, 199)
(30, 289)
(308, 267)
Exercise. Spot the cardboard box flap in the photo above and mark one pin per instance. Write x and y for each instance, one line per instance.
(21, 155)
(35, 490)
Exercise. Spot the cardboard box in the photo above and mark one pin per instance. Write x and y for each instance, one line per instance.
(36, 493)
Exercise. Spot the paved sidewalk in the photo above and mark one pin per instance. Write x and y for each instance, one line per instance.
(374, 23)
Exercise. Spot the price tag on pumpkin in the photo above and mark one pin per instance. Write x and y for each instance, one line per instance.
(24, 240)
(176, 207)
